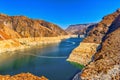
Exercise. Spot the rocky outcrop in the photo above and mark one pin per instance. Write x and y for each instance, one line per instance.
(22, 76)
(82, 54)
(23, 27)
(80, 28)
(99, 31)
(106, 63)
(95, 37)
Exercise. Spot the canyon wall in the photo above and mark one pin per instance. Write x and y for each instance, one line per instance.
(23, 27)
(106, 62)
(84, 53)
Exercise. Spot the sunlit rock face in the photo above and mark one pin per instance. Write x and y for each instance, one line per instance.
(21, 26)
(99, 31)
(82, 54)
(105, 64)
(19, 32)
(90, 45)
(22, 76)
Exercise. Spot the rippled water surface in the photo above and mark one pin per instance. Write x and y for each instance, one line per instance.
(48, 60)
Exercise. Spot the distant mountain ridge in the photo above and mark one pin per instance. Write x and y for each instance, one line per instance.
(80, 28)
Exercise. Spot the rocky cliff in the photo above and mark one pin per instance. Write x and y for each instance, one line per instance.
(86, 50)
(80, 28)
(99, 31)
(23, 27)
(106, 62)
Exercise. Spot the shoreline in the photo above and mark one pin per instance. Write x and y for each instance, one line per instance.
(23, 43)
(27, 43)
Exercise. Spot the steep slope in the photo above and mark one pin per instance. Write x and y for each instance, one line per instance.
(98, 32)
(85, 51)
(80, 28)
(21, 26)
(106, 63)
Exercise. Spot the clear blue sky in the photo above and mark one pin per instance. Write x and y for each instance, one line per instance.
(61, 12)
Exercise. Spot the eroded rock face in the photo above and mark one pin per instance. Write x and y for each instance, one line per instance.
(21, 26)
(106, 64)
(95, 37)
(22, 76)
(82, 54)
(99, 31)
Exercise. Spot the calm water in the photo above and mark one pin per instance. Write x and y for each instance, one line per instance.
(48, 60)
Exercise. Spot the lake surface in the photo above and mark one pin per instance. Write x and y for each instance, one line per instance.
(48, 60)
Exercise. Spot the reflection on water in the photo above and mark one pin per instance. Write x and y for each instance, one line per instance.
(48, 60)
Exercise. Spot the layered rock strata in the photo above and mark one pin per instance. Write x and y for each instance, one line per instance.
(82, 54)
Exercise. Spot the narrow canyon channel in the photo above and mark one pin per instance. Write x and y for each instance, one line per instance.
(48, 60)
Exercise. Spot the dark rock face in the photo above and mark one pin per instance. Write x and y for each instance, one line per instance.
(106, 62)
(80, 28)
(21, 26)
(99, 31)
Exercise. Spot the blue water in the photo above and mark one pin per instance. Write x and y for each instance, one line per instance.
(48, 60)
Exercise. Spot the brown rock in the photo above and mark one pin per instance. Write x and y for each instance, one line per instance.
(22, 76)
(21, 26)
(99, 31)
(106, 63)
(96, 36)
